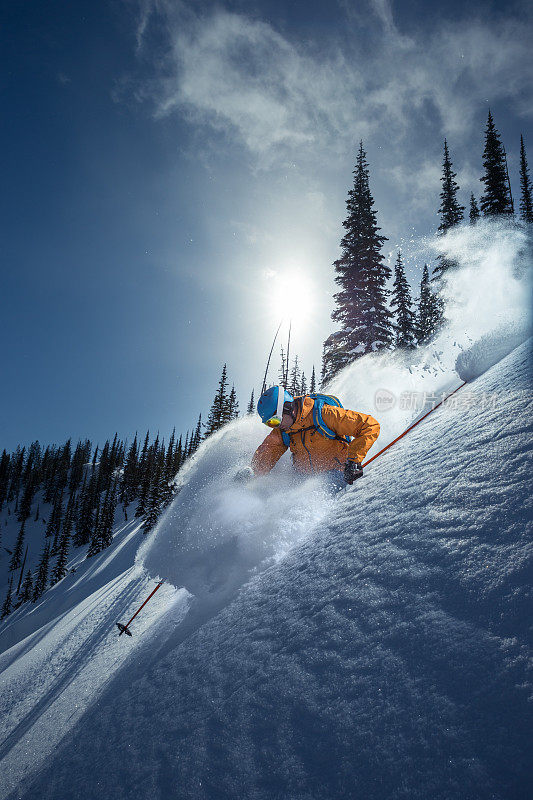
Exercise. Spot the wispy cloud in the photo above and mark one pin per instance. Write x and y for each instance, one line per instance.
(238, 74)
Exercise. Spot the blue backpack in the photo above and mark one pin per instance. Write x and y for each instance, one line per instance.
(318, 421)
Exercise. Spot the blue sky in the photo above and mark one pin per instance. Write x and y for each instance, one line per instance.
(173, 173)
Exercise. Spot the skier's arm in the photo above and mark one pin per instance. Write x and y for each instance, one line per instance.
(268, 453)
(363, 428)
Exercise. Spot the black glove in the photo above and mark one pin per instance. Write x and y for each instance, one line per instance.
(352, 471)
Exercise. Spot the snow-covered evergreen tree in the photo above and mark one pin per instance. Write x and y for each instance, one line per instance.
(450, 210)
(526, 192)
(60, 567)
(474, 210)
(295, 378)
(250, 408)
(365, 321)
(197, 436)
(54, 523)
(401, 302)
(233, 406)
(41, 581)
(496, 198)
(128, 487)
(26, 590)
(312, 385)
(155, 502)
(429, 314)
(178, 457)
(16, 557)
(4, 477)
(8, 602)
(219, 409)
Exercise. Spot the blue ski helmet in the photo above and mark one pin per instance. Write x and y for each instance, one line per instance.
(270, 404)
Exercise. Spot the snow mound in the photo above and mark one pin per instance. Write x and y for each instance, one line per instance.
(488, 350)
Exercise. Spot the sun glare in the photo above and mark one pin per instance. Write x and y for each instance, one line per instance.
(291, 296)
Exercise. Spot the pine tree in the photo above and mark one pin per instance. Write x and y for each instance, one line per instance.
(85, 515)
(218, 413)
(6, 608)
(474, 210)
(295, 378)
(169, 458)
(54, 523)
(178, 457)
(30, 487)
(60, 569)
(144, 455)
(402, 303)
(429, 315)
(326, 364)
(81, 455)
(4, 477)
(450, 211)
(146, 481)
(26, 590)
(154, 502)
(362, 275)
(16, 558)
(303, 385)
(250, 408)
(496, 197)
(526, 202)
(312, 385)
(233, 405)
(103, 530)
(197, 437)
(16, 473)
(128, 488)
(41, 581)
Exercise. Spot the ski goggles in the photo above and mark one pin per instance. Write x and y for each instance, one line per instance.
(275, 421)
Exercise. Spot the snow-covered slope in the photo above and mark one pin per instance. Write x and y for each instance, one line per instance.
(384, 656)
(310, 645)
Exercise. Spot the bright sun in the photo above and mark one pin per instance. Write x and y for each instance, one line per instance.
(291, 296)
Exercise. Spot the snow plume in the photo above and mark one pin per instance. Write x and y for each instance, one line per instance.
(492, 287)
(218, 533)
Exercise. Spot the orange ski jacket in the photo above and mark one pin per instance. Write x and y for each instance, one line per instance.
(313, 452)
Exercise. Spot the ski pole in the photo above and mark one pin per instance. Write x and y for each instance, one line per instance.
(410, 428)
(124, 628)
(270, 356)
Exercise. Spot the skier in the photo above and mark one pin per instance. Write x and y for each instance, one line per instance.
(321, 434)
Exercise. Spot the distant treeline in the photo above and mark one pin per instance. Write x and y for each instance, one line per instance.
(81, 488)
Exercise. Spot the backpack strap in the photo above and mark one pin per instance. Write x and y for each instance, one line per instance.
(318, 419)
(318, 422)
